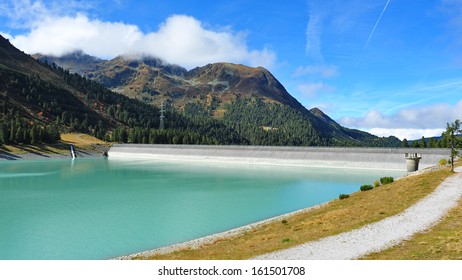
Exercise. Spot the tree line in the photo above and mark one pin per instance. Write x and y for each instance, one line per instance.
(17, 130)
(433, 142)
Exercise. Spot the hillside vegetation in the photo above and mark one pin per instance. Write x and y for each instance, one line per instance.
(216, 104)
(39, 101)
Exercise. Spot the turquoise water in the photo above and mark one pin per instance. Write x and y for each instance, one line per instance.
(100, 208)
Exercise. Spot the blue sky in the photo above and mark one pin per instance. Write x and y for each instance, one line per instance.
(385, 66)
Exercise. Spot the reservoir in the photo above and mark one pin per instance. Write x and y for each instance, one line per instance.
(103, 208)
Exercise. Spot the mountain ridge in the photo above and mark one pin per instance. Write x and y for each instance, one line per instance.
(212, 90)
(145, 75)
(213, 85)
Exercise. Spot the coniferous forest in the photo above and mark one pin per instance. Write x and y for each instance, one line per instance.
(31, 106)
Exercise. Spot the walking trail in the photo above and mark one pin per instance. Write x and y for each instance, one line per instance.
(383, 234)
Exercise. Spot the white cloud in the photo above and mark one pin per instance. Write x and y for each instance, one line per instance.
(325, 71)
(25, 14)
(401, 133)
(408, 122)
(58, 36)
(180, 40)
(22, 13)
(183, 40)
(313, 37)
(311, 90)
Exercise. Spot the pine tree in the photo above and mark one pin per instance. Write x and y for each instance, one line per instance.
(423, 143)
(33, 134)
(452, 129)
(1, 134)
(404, 143)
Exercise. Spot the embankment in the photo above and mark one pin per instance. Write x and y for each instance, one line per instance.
(331, 157)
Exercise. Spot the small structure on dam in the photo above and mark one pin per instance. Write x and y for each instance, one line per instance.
(412, 161)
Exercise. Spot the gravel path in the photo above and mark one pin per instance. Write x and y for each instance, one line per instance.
(383, 234)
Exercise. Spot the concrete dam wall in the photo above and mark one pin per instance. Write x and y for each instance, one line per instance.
(330, 157)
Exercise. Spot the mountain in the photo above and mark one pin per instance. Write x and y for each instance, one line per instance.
(36, 92)
(249, 100)
(230, 82)
(155, 81)
(75, 62)
(147, 77)
(38, 101)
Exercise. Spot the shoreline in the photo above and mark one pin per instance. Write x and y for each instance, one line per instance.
(196, 243)
(86, 146)
(36, 156)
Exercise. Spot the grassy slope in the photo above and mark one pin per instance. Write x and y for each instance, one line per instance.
(335, 217)
(80, 139)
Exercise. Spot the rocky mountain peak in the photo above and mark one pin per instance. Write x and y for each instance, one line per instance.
(153, 79)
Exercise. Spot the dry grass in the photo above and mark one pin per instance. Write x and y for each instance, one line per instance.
(85, 142)
(337, 216)
(80, 139)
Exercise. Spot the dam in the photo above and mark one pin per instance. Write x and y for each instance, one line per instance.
(328, 157)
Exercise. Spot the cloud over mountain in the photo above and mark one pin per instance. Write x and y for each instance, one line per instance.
(180, 39)
(58, 36)
(183, 40)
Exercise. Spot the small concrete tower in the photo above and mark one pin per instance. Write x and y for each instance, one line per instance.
(412, 161)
